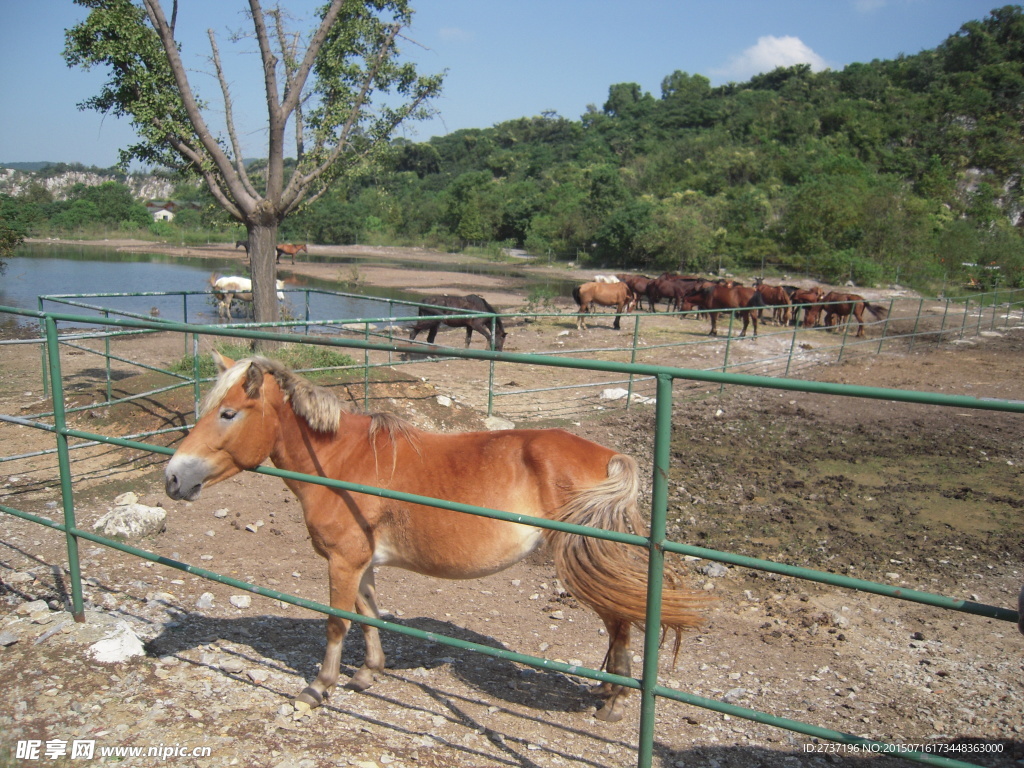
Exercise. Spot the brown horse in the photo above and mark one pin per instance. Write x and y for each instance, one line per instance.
(809, 300)
(729, 295)
(846, 305)
(618, 295)
(259, 409)
(460, 305)
(675, 288)
(289, 249)
(774, 296)
(638, 284)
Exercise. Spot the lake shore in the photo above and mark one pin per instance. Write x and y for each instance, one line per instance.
(419, 270)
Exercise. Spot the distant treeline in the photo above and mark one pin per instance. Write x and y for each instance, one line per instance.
(889, 170)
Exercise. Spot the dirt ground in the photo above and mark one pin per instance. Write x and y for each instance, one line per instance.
(920, 497)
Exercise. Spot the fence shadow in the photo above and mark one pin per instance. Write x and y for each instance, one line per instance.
(296, 646)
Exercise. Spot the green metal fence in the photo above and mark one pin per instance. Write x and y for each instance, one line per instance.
(656, 543)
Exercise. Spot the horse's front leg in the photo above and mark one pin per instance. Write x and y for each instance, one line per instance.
(617, 662)
(345, 577)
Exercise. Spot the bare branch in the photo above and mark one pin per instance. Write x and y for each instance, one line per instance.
(288, 51)
(229, 118)
(195, 115)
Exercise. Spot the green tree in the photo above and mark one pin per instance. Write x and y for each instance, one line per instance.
(339, 99)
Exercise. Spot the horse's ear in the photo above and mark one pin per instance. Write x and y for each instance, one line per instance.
(221, 361)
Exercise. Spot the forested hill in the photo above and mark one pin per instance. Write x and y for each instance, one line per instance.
(888, 170)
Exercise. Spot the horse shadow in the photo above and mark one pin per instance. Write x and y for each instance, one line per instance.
(296, 646)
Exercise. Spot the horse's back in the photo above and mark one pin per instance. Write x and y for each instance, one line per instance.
(527, 472)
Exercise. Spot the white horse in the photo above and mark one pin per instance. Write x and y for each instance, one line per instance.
(605, 279)
(226, 289)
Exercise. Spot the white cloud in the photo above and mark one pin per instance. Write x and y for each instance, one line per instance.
(770, 52)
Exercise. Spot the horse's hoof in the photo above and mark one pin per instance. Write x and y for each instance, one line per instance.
(310, 698)
(361, 680)
(609, 713)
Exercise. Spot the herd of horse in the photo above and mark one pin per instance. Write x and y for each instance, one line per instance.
(680, 293)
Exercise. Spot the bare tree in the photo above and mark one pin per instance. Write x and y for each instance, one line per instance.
(339, 94)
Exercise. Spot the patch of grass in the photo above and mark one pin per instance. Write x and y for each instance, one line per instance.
(296, 356)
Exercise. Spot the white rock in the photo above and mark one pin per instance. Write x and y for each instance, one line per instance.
(120, 644)
(240, 601)
(132, 521)
(493, 423)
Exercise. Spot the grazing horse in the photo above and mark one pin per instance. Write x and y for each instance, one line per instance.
(774, 296)
(227, 289)
(846, 305)
(729, 295)
(460, 305)
(809, 300)
(673, 287)
(259, 409)
(638, 284)
(618, 295)
(243, 244)
(290, 249)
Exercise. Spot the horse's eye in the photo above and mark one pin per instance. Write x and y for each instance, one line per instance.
(228, 414)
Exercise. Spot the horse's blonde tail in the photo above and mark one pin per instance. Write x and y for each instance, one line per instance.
(609, 576)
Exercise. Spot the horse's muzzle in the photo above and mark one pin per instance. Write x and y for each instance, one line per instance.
(184, 477)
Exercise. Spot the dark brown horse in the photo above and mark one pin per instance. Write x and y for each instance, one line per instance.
(675, 288)
(242, 244)
(840, 307)
(729, 295)
(289, 249)
(774, 296)
(638, 284)
(460, 305)
(807, 299)
(618, 295)
(258, 409)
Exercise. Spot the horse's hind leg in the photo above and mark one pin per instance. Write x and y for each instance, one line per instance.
(617, 662)
(366, 604)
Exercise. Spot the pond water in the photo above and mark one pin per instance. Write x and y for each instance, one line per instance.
(38, 270)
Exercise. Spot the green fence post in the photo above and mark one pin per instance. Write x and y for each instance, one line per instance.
(792, 345)
(846, 332)
(885, 324)
(366, 367)
(725, 356)
(967, 310)
(64, 462)
(917, 322)
(655, 569)
(106, 359)
(632, 359)
(490, 367)
(42, 349)
(195, 370)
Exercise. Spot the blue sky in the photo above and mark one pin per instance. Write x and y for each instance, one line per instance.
(504, 59)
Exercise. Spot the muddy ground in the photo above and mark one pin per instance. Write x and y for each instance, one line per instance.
(915, 496)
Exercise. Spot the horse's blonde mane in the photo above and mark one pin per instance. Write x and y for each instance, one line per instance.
(320, 407)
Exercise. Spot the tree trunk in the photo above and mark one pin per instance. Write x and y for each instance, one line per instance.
(263, 255)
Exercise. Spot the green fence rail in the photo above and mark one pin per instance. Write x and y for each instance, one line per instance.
(656, 543)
